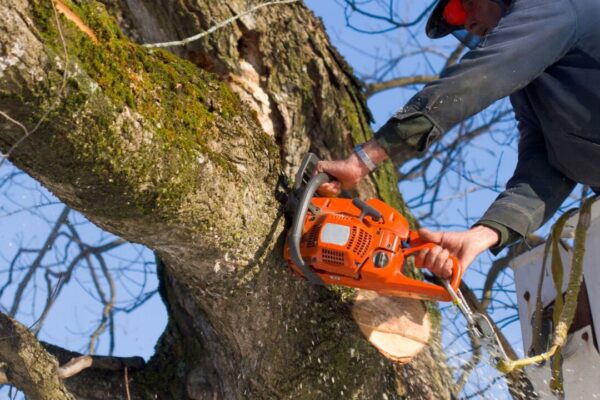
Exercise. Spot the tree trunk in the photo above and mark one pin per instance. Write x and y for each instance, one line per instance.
(187, 158)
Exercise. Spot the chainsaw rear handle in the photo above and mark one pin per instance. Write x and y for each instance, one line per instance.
(296, 230)
(456, 267)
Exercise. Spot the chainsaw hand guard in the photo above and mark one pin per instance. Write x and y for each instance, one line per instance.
(296, 230)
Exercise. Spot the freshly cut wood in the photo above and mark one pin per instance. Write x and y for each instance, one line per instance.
(71, 16)
(398, 327)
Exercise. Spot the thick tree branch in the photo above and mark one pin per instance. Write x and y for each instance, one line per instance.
(93, 377)
(105, 363)
(33, 367)
(29, 367)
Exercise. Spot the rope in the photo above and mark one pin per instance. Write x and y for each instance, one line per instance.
(217, 26)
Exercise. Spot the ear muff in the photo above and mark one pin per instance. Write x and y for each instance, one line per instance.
(454, 13)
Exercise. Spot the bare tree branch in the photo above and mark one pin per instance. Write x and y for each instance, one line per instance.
(453, 57)
(75, 366)
(46, 247)
(378, 87)
(502, 263)
(389, 17)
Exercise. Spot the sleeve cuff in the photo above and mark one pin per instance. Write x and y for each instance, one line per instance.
(405, 138)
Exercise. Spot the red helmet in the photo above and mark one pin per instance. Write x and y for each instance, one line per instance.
(449, 16)
(454, 13)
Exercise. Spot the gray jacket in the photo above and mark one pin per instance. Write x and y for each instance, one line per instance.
(545, 54)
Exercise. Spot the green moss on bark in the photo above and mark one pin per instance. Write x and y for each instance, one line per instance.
(171, 112)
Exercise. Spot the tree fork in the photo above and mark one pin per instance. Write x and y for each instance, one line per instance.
(160, 152)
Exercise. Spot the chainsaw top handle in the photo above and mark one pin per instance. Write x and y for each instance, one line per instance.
(296, 229)
(417, 245)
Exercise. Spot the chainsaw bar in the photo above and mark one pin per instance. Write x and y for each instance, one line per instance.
(480, 326)
(490, 339)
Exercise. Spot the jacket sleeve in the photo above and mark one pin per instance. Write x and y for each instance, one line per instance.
(533, 35)
(536, 189)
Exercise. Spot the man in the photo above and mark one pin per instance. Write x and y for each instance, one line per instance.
(545, 54)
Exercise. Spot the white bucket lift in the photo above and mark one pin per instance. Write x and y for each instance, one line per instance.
(581, 360)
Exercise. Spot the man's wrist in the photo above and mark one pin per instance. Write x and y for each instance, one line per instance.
(364, 157)
(356, 164)
(486, 237)
(373, 152)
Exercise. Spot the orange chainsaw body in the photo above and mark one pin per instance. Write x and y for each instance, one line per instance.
(344, 247)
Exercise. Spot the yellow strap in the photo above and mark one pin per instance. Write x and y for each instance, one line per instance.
(563, 323)
(536, 346)
(558, 272)
(567, 313)
(575, 278)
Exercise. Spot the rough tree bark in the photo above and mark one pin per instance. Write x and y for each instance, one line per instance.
(184, 152)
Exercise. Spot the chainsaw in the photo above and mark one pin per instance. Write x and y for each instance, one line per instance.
(366, 245)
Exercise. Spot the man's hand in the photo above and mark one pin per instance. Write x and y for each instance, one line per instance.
(350, 171)
(465, 246)
(347, 173)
